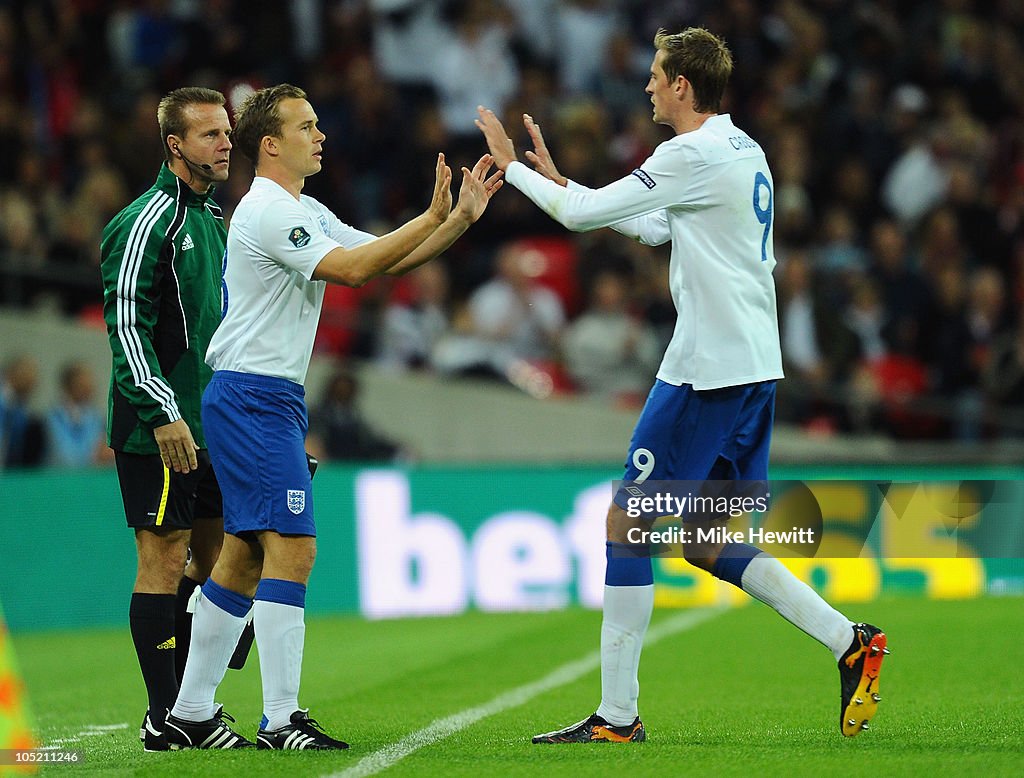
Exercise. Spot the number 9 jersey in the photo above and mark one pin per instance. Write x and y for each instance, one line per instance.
(710, 192)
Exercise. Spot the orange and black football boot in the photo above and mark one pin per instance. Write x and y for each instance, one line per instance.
(596, 730)
(859, 671)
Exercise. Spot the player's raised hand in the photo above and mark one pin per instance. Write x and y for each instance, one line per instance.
(498, 142)
(540, 157)
(441, 202)
(177, 446)
(477, 188)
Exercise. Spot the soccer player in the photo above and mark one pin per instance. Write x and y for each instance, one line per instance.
(161, 261)
(709, 414)
(283, 247)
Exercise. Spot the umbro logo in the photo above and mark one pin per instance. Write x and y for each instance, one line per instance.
(169, 643)
(187, 243)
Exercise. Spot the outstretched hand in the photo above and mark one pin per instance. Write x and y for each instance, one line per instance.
(540, 157)
(441, 202)
(477, 189)
(498, 142)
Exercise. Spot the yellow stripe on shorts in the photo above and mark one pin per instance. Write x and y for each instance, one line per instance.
(163, 497)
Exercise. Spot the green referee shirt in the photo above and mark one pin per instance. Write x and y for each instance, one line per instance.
(161, 260)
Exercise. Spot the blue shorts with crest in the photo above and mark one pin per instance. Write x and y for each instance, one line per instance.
(255, 429)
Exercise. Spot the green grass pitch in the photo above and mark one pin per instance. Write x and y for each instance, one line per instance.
(742, 693)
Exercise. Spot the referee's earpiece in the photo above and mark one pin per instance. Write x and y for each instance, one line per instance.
(189, 162)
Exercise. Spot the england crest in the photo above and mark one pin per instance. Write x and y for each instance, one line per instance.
(296, 501)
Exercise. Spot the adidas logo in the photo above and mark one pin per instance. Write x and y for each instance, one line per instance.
(169, 643)
(187, 243)
(298, 741)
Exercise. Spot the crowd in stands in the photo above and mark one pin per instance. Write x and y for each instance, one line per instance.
(895, 131)
(69, 434)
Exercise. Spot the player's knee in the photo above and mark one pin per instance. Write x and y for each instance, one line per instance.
(619, 524)
(200, 569)
(304, 561)
(203, 558)
(288, 557)
(702, 555)
(161, 559)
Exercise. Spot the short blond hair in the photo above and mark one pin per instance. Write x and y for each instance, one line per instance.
(702, 58)
(170, 113)
(259, 115)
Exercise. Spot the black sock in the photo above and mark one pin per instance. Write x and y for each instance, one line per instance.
(183, 625)
(152, 624)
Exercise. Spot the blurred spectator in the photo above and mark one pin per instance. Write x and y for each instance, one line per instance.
(854, 190)
(508, 319)
(22, 438)
(608, 352)
(806, 370)
(818, 348)
(584, 33)
(337, 429)
(144, 36)
(986, 309)
(656, 303)
(791, 162)
(840, 250)
(22, 238)
(917, 180)
(635, 142)
(615, 86)
(406, 34)
(862, 127)
(1004, 378)
(948, 343)
(976, 217)
(535, 32)
(984, 318)
(586, 123)
(475, 66)
(411, 327)
(941, 245)
(904, 293)
(75, 427)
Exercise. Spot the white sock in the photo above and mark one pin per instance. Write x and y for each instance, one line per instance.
(627, 612)
(767, 579)
(280, 633)
(215, 633)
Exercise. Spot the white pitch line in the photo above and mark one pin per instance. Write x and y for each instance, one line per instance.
(102, 729)
(440, 729)
(91, 730)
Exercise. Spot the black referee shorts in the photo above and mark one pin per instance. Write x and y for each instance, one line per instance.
(155, 496)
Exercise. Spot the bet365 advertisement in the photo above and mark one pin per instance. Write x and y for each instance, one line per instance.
(440, 540)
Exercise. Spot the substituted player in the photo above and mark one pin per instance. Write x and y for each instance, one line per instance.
(709, 415)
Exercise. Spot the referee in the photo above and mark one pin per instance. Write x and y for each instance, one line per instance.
(161, 264)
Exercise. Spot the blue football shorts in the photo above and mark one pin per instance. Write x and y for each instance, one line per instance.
(711, 435)
(255, 428)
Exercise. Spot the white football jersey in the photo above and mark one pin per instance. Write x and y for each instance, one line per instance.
(710, 192)
(271, 306)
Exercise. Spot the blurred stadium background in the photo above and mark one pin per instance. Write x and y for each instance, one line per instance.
(467, 457)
